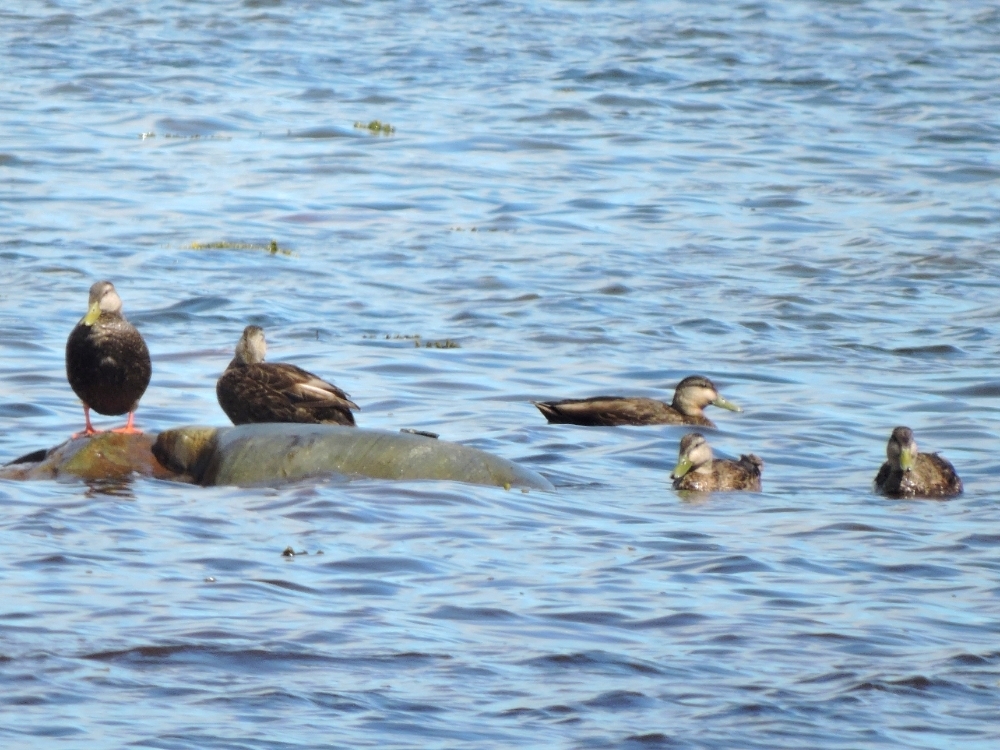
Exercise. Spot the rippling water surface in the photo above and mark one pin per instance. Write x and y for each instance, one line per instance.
(799, 200)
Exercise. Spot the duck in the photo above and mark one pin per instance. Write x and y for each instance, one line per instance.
(107, 361)
(691, 396)
(698, 472)
(909, 473)
(252, 390)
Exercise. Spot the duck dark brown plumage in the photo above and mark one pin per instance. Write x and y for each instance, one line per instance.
(691, 396)
(698, 471)
(909, 473)
(252, 390)
(107, 362)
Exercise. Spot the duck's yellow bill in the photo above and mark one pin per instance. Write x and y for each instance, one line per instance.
(724, 404)
(92, 314)
(683, 467)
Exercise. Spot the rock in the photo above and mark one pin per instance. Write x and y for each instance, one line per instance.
(106, 455)
(277, 452)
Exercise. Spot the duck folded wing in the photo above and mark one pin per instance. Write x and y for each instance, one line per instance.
(309, 390)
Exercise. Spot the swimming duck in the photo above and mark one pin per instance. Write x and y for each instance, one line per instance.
(698, 472)
(691, 396)
(107, 362)
(252, 390)
(908, 473)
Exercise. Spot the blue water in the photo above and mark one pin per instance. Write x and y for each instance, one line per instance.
(798, 200)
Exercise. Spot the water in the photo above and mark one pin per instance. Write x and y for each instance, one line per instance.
(799, 200)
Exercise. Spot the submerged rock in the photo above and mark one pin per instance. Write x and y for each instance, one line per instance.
(277, 452)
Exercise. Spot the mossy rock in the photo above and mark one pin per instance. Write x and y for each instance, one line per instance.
(106, 455)
(270, 453)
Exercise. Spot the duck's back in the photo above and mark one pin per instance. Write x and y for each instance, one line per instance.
(280, 392)
(612, 411)
(726, 476)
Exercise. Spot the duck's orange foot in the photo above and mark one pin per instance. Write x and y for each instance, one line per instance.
(85, 433)
(126, 430)
(129, 428)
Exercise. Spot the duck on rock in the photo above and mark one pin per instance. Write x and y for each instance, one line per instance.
(107, 362)
(691, 396)
(697, 471)
(252, 390)
(909, 473)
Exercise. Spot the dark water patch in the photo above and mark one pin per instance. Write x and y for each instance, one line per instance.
(774, 201)
(619, 700)
(381, 565)
(559, 114)
(539, 144)
(845, 526)
(587, 661)
(652, 740)
(975, 660)
(617, 75)
(917, 685)
(677, 620)
(206, 656)
(471, 614)
(63, 561)
(615, 290)
(618, 100)
(589, 618)
(223, 564)
(967, 174)
(318, 94)
(913, 570)
(193, 126)
(733, 564)
(989, 389)
(288, 585)
(23, 411)
(982, 540)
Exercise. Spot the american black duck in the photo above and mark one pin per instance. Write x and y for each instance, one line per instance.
(698, 472)
(252, 390)
(691, 396)
(908, 473)
(107, 362)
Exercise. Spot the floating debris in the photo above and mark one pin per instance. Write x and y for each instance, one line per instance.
(198, 136)
(271, 247)
(376, 126)
(416, 339)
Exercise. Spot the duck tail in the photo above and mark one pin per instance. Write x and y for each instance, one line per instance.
(548, 409)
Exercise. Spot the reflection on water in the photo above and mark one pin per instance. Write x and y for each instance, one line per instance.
(798, 201)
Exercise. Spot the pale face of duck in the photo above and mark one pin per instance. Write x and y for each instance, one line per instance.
(252, 347)
(103, 299)
(901, 449)
(695, 454)
(696, 392)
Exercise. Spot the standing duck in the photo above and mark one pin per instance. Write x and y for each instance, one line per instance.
(698, 472)
(107, 362)
(252, 390)
(908, 473)
(691, 396)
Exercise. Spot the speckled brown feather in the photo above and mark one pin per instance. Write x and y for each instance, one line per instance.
(280, 392)
(726, 476)
(108, 364)
(611, 411)
(932, 477)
